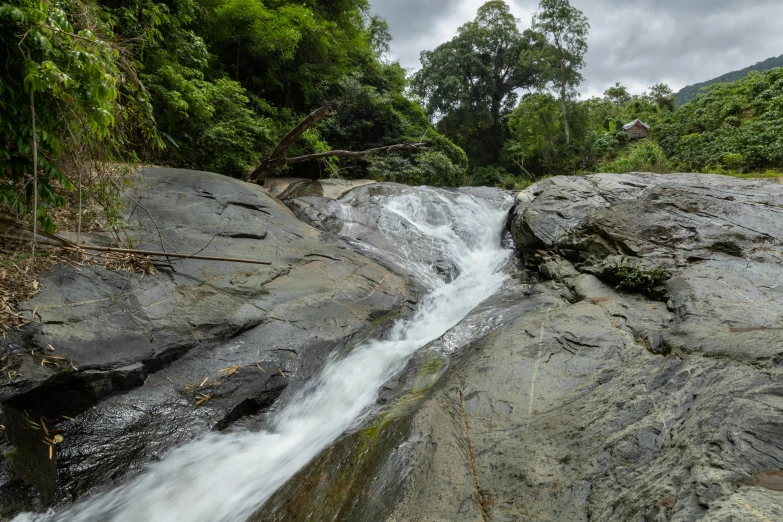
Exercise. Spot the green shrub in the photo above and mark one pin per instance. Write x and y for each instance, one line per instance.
(735, 126)
(733, 161)
(637, 278)
(63, 58)
(515, 183)
(488, 176)
(646, 156)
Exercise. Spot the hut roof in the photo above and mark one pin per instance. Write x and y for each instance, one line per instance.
(634, 123)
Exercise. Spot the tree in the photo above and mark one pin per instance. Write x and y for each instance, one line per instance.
(534, 125)
(565, 29)
(662, 96)
(469, 83)
(618, 94)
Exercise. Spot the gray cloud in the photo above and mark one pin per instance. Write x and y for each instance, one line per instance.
(641, 43)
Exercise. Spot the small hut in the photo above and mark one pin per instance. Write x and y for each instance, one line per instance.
(637, 129)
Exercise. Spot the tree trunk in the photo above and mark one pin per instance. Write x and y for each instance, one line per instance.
(35, 180)
(565, 112)
(497, 127)
(548, 135)
(278, 156)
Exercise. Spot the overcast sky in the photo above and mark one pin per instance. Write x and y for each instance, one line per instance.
(638, 43)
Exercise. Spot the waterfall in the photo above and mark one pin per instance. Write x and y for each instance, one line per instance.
(228, 476)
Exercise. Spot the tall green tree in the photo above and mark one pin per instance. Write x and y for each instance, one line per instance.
(663, 96)
(565, 29)
(469, 84)
(617, 94)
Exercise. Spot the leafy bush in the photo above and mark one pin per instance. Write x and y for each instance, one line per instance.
(69, 70)
(488, 176)
(637, 278)
(733, 161)
(515, 183)
(610, 142)
(647, 156)
(208, 125)
(370, 117)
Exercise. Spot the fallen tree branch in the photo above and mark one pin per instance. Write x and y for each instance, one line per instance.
(69, 246)
(360, 154)
(11, 224)
(278, 156)
(314, 117)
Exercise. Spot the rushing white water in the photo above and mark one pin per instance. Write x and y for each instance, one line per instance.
(226, 477)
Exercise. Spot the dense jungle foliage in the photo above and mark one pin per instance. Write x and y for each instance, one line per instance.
(689, 92)
(215, 84)
(208, 84)
(729, 128)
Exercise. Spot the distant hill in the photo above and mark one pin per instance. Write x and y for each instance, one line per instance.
(688, 93)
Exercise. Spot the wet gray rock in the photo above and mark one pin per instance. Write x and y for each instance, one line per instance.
(142, 364)
(290, 188)
(721, 239)
(588, 403)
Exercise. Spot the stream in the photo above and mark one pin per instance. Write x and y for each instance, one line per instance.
(228, 476)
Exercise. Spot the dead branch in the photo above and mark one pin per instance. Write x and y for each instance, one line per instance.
(70, 246)
(140, 204)
(360, 154)
(11, 224)
(278, 157)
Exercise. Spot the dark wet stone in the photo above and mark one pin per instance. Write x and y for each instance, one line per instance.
(143, 364)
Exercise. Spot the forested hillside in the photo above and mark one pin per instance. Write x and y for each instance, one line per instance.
(471, 87)
(210, 85)
(688, 93)
(735, 127)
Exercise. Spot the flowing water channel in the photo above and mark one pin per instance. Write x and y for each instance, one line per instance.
(228, 476)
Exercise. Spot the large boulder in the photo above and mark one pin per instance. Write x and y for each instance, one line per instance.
(720, 238)
(590, 403)
(123, 366)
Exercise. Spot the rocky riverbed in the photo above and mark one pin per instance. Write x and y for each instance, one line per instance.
(561, 398)
(587, 403)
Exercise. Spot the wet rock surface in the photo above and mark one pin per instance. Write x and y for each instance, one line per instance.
(142, 364)
(561, 398)
(290, 188)
(585, 402)
(363, 218)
